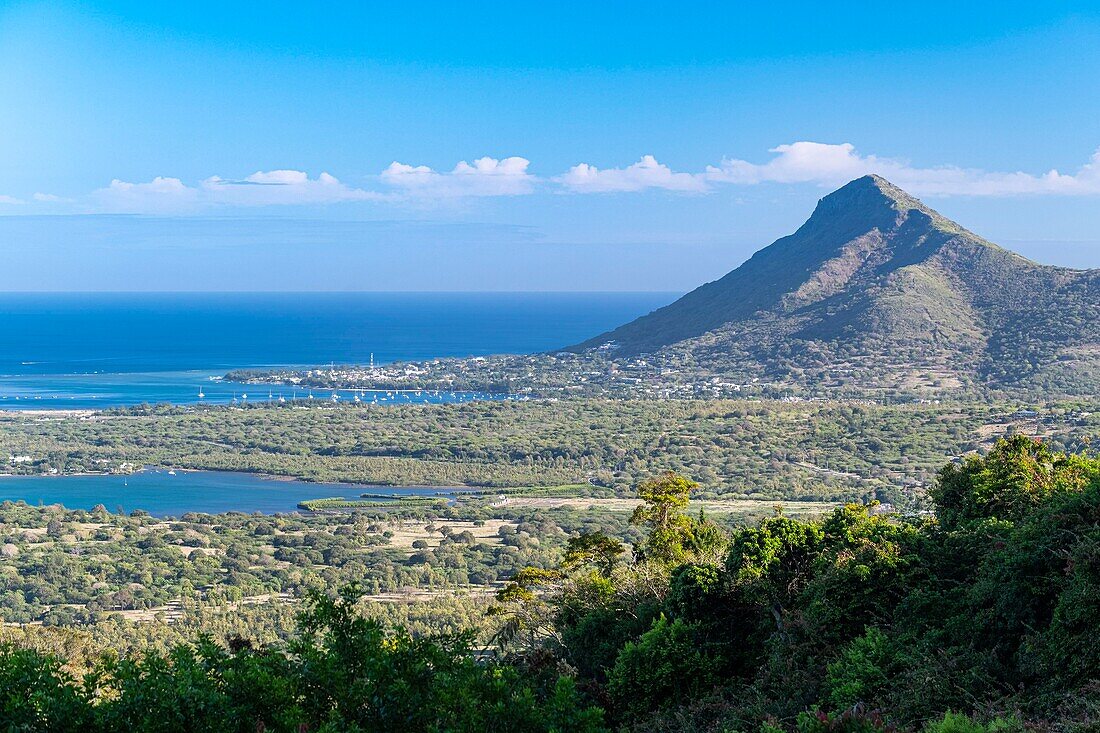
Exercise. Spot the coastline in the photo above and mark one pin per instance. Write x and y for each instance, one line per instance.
(51, 411)
(276, 478)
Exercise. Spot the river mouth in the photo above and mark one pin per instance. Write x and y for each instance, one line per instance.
(164, 492)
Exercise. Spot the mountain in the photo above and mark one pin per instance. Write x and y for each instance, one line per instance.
(878, 291)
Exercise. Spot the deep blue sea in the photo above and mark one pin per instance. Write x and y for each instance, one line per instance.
(96, 350)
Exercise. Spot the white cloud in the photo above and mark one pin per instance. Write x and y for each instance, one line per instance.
(161, 196)
(799, 163)
(282, 188)
(832, 165)
(953, 181)
(484, 177)
(264, 188)
(646, 173)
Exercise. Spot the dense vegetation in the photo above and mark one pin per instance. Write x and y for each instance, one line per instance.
(341, 673)
(77, 568)
(761, 449)
(982, 619)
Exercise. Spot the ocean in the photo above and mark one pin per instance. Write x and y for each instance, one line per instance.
(97, 350)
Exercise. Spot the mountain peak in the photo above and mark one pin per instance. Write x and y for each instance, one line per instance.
(875, 185)
(877, 284)
(872, 190)
(871, 202)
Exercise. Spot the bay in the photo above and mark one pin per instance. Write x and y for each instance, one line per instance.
(173, 494)
(97, 350)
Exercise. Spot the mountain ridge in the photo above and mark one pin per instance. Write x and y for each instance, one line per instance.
(878, 284)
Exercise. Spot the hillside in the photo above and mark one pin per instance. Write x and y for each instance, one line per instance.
(878, 291)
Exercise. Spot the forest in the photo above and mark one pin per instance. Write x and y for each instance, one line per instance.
(768, 450)
(981, 617)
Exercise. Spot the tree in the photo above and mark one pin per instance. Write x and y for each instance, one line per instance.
(593, 548)
(665, 666)
(664, 499)
(1016, 476)
(36, 694)
(774, 561)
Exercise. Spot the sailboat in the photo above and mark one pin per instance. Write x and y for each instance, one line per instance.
(201, 395)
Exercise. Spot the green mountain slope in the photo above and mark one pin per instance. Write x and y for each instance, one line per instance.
(880, 291)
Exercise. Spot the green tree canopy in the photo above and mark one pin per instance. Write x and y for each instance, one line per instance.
(1016, 476)
(664, 499)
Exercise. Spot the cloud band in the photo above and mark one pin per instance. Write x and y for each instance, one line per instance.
(804, 162)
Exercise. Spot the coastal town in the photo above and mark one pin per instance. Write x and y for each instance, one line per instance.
(545, 376)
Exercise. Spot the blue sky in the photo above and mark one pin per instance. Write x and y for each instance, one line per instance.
(521, 146)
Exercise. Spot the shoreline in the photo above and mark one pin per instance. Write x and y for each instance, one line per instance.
(277, 478)
(288, 498)
(53, 411)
